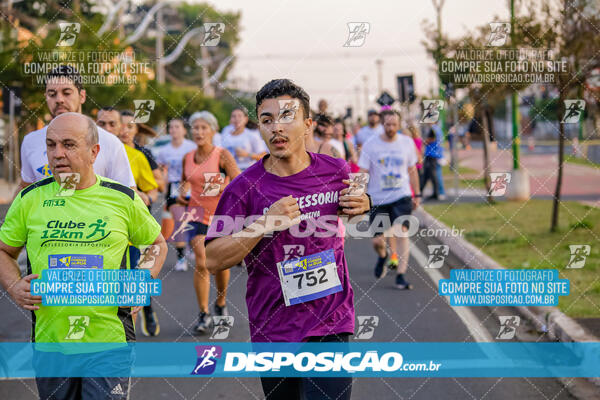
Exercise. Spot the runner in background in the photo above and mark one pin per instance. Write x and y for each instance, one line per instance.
(340, 134)
(130, 131)
(206, 171)
(244, 144)
(316, 146)
(390, 160)
(434, 153)
(369, 131)
(322, 107)
(65, 93)
(170, 159)
(413, 132)
(324, 135)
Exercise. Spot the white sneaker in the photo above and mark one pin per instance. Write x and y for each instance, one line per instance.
(181, 265)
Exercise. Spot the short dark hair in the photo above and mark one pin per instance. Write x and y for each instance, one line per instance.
(127, 113)
(282, 87)
(109, 109)
(385, 113)
(324, 119)
(66, 71)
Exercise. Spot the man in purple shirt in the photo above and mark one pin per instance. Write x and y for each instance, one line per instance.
(298, 285)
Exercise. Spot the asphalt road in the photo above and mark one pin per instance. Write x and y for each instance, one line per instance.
(419, 315)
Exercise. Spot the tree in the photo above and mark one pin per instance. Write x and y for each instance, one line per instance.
(578, 43)
(528, 31)
(31, 29)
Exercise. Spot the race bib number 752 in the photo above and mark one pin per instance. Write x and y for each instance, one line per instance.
(309, 278)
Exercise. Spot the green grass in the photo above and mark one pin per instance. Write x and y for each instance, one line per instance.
(525, 241)
(466, 181)
(446, 171)
(581, 161)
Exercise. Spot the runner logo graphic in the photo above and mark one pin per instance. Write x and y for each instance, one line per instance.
(579, 252)
(222, 324)
(573, 111)
(143, 108)
(207, 359)
(77, 326)
(68, 183)
(499, 183)
(212, 33)
(68, 33)
(508, 327)
(183, 217)
(212, 183)
(293, 251)
(431, 111)
(499, 32)
(148, 256)
(437, 255)
(357, 33)
(366, 326)
(44, 170)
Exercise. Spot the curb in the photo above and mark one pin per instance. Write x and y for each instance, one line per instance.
(548, 319)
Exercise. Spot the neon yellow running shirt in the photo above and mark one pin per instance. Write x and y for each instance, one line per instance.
(89, 229)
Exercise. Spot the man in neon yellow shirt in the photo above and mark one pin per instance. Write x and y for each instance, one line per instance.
(94, 225)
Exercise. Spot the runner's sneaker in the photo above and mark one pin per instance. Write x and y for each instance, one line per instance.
(393, 263)
(190, 256)
(402, 284)
(380, 269)
(221, 311)
(203, 322)
(150, 326)
(181, 265)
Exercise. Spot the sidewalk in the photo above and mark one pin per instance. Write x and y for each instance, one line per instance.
(580, 181)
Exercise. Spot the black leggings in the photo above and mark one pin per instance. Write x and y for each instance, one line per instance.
(430, 173)
(306, 388)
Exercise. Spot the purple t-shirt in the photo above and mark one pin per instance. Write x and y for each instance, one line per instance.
(317, 190)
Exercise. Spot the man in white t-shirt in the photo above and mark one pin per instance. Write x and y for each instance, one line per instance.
(368, 132)
(64, 93)
(246, 145)
(390, 159)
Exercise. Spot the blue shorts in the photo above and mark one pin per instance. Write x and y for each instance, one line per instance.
(198, 228)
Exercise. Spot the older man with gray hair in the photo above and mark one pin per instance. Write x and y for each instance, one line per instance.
(76, 219)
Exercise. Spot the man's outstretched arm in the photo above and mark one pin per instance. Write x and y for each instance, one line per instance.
(10, 278)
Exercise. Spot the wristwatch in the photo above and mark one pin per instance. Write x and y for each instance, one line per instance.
(418, 195)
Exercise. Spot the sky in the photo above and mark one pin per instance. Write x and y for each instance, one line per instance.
(303, 41)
